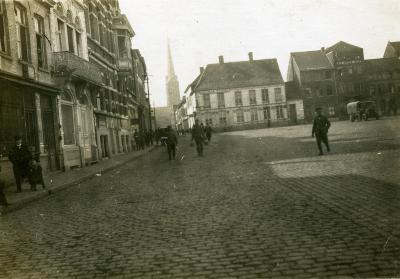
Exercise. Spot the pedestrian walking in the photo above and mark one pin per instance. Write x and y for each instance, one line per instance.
(198, 136)
(208, 132)
(20, 156)
(136, 136)
(172, 142)
(320, 129)
(3, 200)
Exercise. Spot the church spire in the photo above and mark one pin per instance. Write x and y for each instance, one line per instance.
(171, 70)
(172, 86)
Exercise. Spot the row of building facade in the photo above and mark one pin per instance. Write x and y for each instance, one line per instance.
(252, 93)
(70, 82)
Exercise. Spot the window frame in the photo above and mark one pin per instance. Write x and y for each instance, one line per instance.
(238, 98)
(278, 92)
(4, 39)
(40, 33)
(265, 96)
(252, 97)
(23, 42)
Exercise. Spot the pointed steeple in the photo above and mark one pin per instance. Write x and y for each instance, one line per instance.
(172, 83)
(170, 63)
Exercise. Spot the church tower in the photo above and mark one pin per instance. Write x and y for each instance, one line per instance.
(172, 83)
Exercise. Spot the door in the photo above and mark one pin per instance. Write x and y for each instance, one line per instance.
(85, 136)
(49, 138)
(293, 113)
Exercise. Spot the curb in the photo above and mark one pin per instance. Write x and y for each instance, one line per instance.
(42, 194)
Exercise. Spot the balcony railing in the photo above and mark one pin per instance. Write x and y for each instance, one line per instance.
(66, 63)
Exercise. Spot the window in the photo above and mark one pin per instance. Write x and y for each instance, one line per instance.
(279, 112)
(307, 92)
(61, 35)
(70, 33)
(209, 121)
(267, 113)
(372, 90)
(94, 27)
(222, 118)
(206, 100)
(78, 43)
(40, 41)
(328, 74)
(329, 91)
(22, 33)
(264, 95)
(238, 98)
(122, 50)
(239, 116)
(252, 97)
(254, 115)
(319, 92)
(278, 95)
(3, 27)
(331, 111)
(221, 99)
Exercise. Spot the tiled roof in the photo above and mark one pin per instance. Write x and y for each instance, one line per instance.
(311, 60)
(240, 75)
(341, 46)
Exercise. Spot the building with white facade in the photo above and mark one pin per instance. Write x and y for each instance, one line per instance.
(242, 94)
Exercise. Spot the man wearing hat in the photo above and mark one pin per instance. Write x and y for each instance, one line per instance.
(320, 130)
(20, 156)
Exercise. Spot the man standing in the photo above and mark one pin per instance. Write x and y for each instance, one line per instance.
(20, 156)
(208, 132)
(172, 142)
(198, 137)
(320, 130)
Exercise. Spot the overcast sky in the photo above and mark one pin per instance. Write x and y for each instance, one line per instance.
(201, 30)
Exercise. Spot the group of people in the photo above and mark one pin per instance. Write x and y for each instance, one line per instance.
(24, 167)
(143, 139)
(200, 135)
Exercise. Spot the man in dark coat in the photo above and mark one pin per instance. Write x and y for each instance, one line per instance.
(20, 156)
(172, 142)
(320, 129)
(208, 132)
(198, 137)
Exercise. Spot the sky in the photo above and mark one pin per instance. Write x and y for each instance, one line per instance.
(201, 30)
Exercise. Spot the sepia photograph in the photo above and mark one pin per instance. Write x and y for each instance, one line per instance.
(213, 139)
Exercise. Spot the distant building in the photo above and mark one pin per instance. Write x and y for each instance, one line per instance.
(237, 95)
(331, 78)
(392, 50)
(311, 74)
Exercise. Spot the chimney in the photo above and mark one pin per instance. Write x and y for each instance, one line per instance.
(201, 70)
(322, 49)
(250, 56)
(221, 59)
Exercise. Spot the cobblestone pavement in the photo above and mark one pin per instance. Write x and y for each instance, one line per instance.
(260, 204)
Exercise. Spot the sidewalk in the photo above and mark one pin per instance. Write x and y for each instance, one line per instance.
(58, 181)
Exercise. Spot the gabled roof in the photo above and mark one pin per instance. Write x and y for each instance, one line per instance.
(341, 46)
(396, 46)
(311, 60)
(193, 83)
(240, 74)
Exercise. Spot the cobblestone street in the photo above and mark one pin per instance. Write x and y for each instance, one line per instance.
(259, 204)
